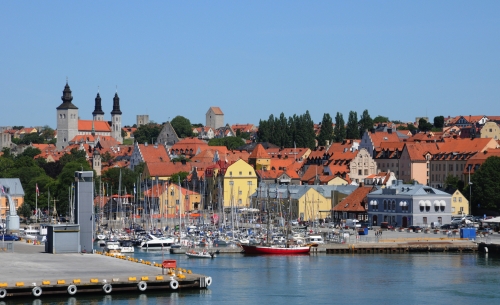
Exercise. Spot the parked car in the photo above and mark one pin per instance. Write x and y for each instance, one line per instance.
(386, 226)
(415, 228)
(9, 237)
(366, 224)
(294, 223)
(449, 226)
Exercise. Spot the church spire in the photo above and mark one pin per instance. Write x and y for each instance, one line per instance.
(67, 98)
(116, 105)
(98, 107)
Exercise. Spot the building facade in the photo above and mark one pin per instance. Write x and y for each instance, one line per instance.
(409, 204)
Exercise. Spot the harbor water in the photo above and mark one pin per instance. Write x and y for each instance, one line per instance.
(427, 278)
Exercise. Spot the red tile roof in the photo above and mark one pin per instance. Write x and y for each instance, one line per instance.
(189, 147)
(354, 202)
(99, 126)
(216, 110)
(259, 152)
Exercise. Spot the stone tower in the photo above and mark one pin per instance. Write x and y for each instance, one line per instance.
(98, 114)
(116, 120)
(214, 118)
(96, 162)
(142, 119)
(67, 119)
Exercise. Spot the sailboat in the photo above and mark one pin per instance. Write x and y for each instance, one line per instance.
(287, 249)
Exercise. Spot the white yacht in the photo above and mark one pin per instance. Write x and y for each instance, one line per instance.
(113, 247)
(157, 243)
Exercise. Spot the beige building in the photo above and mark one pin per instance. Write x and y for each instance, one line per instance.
(362, 166)
(214, 118)
(490, 130)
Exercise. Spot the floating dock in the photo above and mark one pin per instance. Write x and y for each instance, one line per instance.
(29, 272)
(397, 246)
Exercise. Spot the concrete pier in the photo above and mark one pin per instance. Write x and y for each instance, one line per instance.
(30, 271)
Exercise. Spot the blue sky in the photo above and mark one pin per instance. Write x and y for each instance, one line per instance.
(399, 59)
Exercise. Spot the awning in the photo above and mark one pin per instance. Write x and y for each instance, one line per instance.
(405, 203)
(428, 203)
(443, 203)
(421, 203)
(437, 203)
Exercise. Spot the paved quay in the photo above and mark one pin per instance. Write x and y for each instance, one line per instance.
(29, 266)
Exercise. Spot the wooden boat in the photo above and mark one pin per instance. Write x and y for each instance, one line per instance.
(200, 254)
(276, 250)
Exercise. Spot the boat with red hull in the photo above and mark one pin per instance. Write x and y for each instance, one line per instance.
(257, 249)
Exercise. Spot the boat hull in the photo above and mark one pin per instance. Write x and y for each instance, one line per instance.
(251, 249)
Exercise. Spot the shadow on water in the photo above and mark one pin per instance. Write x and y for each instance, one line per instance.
(121, 298)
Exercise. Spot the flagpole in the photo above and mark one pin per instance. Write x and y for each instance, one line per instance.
(36, 203)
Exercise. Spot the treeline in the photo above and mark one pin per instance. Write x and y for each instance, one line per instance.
(299, 130)
(54, 179)
(288, 132)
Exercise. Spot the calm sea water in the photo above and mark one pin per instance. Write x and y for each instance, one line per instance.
(324, 279)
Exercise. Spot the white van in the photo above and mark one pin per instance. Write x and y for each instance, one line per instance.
(352, 223)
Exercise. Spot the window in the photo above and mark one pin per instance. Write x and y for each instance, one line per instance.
(241, 173)
(385, 205)
(450, 167)
(432, 166)
(239, 192)
(366, 172)
(360, 172)
(424, 219)
(440, 220)
(427, 165)
(439, 167)
(459, 199)
(454, 199)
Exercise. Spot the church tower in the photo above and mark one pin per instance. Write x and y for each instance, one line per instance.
(98, 114)
(116, 119)
(96, 162)
(67, 119)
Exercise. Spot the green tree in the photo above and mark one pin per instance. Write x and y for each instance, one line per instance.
(30, 152)
(339, 132)
(47, 133)
(365, 123)
(352, 130)
(439, 121)
(451, 181)
(380, 119)
(423, 125)
(326, 132)
(147, 133)
(34, 138)
(74, 155)
(24, 210)
(485, 187)
(182, 126)
(230, 142)
(180, 176)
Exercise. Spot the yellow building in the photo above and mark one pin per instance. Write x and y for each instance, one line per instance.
(459, 204)
(312, 205)
(240, 182)
(172, 198)
(259, 158)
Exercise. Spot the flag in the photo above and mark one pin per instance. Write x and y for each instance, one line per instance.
(37, 191)
(134, 188)
(3, 190)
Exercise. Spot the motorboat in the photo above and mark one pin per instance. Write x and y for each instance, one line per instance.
(200, 254)
(126, 246)
(101, 236)
(113, 248)
(315, 239)
(157, 243)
